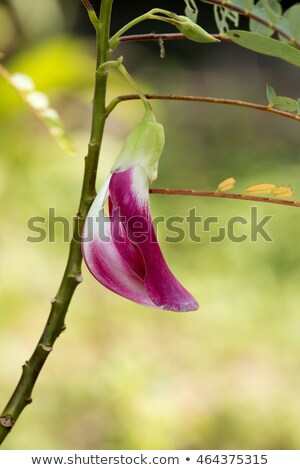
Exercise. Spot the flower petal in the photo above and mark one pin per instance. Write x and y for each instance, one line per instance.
(104, 258)
(129, 192)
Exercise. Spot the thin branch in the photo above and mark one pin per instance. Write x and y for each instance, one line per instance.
(248, 14)
(164, 37)
(202, 99)
(219, 194)
(91, 12)
(87, 5)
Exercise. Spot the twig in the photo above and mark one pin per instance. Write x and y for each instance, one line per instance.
(202, 99)
(164, 37)
(248, 14)
(219, 194)
(91, 12)
(87, 5)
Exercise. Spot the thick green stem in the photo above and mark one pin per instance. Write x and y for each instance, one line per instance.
(72, 275)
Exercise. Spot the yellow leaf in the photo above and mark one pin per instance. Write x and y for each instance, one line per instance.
(283, 191)
(262, 188)
(226, 185)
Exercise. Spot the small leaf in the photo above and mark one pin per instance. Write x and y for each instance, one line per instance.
(271, 94)
(249, 4)
(191, 10)
(298, 101)
(283, 191)
(273, 10)
(285, 104)
(222, 16)
(268, 46)
(255, 26)
(293, 19)
(227, 184)
(262, 188)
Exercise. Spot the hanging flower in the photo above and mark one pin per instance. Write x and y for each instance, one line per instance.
(121, 251)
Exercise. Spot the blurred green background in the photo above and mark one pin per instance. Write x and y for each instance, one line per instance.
(123, 376)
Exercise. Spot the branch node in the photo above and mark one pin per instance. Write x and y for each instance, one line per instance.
(45, 347)
(7, 421)
(78, 216)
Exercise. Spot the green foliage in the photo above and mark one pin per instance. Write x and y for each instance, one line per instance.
(191, 10)
(271, 94)
(284, 103)
(273, 9)
(292, 16)
(255, 26)
(266, 18)
(264, 45)
(223, 16)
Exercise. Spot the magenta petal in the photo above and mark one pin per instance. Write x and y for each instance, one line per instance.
(105, 260)
(129, 192)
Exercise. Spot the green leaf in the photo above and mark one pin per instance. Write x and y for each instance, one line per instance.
(222, 16)
(298, 101)
(292, 16)
(263, 10)
(273, 10)
(264, 45)
(249, 4)
(191, 10)
(271, 94)
(285, 104)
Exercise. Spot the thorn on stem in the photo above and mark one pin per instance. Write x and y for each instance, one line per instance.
(7, 421)
(45, 347)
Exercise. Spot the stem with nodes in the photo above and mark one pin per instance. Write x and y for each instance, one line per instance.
(253, 16)
(202, 99)
(166, 37)
(219, 194)
(150, 15)
(72, 276)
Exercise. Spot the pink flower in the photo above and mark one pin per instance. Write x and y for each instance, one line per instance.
(121, 251)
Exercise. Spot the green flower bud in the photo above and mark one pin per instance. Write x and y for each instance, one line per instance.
(143, 146)
(192, 31)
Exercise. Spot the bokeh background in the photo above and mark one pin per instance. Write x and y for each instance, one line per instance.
(123, 376)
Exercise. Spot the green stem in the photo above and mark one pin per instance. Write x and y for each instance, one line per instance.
(118, 65)
(72, 275)
(150, 15)
(133, 83)
(91, 12)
